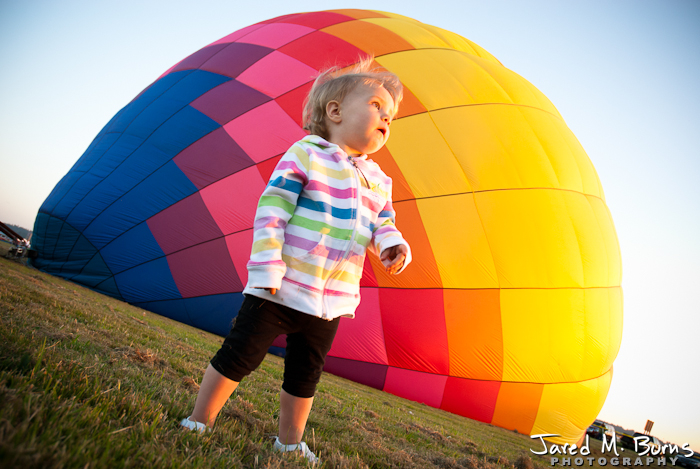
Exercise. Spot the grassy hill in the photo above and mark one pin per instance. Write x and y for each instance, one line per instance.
(89, 381)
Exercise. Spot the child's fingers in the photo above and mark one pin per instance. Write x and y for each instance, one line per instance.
(396, 264)
(393, 252)
(398, 260)
(388, 260)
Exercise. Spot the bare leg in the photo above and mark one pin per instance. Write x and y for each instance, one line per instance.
(294, 412)
(213, 394)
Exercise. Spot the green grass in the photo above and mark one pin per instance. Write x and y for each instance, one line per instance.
(89, 381)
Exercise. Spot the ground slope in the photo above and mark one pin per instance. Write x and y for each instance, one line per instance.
(89, 381)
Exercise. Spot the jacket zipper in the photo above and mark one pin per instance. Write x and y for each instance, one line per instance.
(354, 163)
(343, 260)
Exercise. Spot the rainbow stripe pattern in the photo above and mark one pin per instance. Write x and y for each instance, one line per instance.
(314, 223)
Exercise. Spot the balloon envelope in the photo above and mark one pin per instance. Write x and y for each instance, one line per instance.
(511, 312)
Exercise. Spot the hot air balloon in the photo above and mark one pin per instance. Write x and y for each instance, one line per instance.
(511, 312)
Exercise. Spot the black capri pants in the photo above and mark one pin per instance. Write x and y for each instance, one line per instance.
(259, 322)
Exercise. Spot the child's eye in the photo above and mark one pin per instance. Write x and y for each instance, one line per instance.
(376, 104)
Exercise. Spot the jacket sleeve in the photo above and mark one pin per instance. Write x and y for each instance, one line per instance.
(386, 235)
(275, 207)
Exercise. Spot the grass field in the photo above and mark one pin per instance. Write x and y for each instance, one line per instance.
(89, 381)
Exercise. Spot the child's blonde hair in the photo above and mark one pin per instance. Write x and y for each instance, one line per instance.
(334, 84)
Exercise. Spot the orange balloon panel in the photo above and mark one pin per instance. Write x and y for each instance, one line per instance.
(474, 335)
(517, 406)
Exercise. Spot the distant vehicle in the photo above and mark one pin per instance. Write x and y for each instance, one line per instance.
(599, 428)
(18, 250)
(628, 441)
(692, 462)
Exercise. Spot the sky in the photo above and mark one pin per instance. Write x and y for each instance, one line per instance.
(624, 75)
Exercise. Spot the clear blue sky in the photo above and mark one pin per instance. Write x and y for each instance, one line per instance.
(624, 74)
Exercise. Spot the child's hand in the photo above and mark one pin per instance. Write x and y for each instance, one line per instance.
(393, 258)
(271, 290)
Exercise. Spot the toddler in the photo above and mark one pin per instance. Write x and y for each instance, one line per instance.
(324, 206)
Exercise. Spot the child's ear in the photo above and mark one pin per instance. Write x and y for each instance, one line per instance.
(333, 111)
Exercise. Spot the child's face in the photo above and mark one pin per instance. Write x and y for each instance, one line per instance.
(360, 124)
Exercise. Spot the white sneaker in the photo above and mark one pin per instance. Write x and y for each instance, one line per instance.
(192, 425)
(302, 447)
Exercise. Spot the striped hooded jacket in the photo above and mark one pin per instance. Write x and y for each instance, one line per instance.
(312, 230)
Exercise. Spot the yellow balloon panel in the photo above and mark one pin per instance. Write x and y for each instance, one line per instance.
(461, 250)
(464, 79)
(457, 42)
(389, 14)
(520, 90)
(603, 308)
(424, 158)
(612, 245)
(413, 31)
(568, 408)
(600, 266)
(536, 335)
(559, 335)
(425, 36)
(508, 147)
(536, 239)
(481, 52)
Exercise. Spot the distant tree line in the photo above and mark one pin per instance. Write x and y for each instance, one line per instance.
(23, 232)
